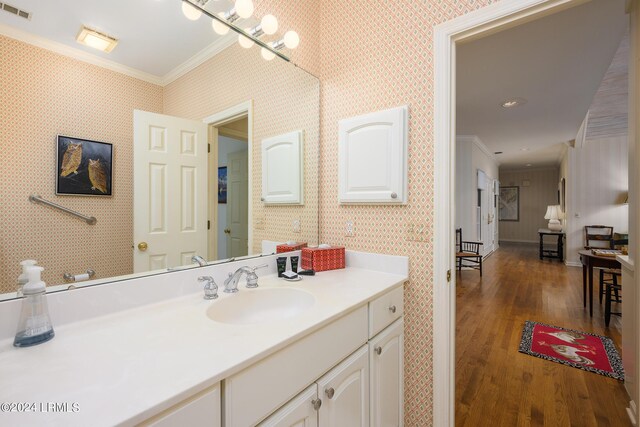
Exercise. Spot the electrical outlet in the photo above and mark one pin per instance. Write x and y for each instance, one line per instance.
(349, 229)
(417, 232)
(260, 224)
(296, 225)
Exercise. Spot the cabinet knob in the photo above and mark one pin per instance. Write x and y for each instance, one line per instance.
(392, 308)
(317, 403)
(329, 392)
(378, 350)
(394, 196)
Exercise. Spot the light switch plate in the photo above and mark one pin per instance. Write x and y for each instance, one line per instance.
(417, 232)
(296, 225)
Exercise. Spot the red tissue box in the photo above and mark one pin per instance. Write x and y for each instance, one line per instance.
(321, 259)
(288, 248)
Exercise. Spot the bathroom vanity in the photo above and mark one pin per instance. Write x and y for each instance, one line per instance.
(327, 349)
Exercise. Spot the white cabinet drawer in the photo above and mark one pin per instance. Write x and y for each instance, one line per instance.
(203, 409)
(260, 389)
(385, 309)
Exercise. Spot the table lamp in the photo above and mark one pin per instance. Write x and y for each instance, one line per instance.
(553, 215)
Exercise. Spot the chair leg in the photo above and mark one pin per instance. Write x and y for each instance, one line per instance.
(607, 306)
(480, 266)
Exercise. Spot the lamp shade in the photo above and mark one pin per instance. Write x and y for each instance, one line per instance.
(553, 212)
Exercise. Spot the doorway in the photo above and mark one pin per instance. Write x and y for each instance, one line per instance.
(485, 21)
(230, 198)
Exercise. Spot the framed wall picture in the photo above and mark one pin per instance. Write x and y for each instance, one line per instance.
(222, 184)
(509, 204)
(83, 167)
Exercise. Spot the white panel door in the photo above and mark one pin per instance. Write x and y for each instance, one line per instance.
(373, 157)
(169, 191)
(386, 356)
(237, 204)
(283, 169)
(299, 412)
(345, 392)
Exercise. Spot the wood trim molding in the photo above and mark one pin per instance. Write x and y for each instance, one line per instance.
(481, 22)
(474, 139)
(229, 115)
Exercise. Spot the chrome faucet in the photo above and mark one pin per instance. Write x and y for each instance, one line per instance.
(201, 261)
(210, 287)
(231, 282)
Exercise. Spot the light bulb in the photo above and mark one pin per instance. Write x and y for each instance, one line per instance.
(269, 24)
(245, 41)
(291, 39)
(244, 8)
(267, 54)
(190, 11)
(218, 26)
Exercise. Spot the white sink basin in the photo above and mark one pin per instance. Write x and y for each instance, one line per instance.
(260, 305)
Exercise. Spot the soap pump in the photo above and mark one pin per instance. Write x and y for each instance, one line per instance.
(24, 278)
(34, 326)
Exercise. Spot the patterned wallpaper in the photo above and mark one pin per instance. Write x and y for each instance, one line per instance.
(376, 55)
(44, 94)
(285, 99)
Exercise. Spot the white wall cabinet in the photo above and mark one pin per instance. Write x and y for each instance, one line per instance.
(386, 365)
(345, 393)
(283, 169)
(373, 157)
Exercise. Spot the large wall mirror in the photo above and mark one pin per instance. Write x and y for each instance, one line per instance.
(183, 113)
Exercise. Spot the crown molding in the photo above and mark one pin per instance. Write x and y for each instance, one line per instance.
(78, 54)
(474, 139)
(196, 60)
(199, 58)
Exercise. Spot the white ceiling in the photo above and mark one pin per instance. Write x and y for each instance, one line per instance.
(556, 63)
(154, 35)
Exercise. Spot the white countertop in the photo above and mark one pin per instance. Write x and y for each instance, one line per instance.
(127, 366)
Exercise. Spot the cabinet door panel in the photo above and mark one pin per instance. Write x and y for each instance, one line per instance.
(386, 352)
(345, 393)
(299, 412)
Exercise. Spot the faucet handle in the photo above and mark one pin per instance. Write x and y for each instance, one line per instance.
(252, 277)
(210, 287)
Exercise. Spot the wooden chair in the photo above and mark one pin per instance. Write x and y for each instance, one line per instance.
(598, 237)
(468, 253)
(612, 294)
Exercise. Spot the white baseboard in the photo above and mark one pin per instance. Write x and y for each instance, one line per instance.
(632, 412)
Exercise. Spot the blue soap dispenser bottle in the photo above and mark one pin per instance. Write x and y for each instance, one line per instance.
(34, 326)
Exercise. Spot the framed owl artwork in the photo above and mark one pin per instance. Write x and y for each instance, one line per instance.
(84, 167)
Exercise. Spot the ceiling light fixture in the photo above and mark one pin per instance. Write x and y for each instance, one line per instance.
(514, 102)
(96, 39)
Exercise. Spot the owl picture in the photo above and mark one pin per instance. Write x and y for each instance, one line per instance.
(71, 159)
(97, 175)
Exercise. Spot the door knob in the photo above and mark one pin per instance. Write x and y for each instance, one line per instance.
(227, 231)
(142, 246)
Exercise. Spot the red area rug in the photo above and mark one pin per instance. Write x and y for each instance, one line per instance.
(589, 352)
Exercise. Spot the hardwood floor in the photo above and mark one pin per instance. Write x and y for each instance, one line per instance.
(498, 386)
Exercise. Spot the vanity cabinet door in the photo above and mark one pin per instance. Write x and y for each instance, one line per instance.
(345, 392)
(386, 354)
(203, 409)
(300, 412)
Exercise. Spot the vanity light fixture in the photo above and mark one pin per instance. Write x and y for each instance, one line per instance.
(96, 39)
(192, 12)
(223, 21)
(514, 102)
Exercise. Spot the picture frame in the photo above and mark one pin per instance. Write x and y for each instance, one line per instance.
(222, 184)
(83, 167)
(509, 204)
